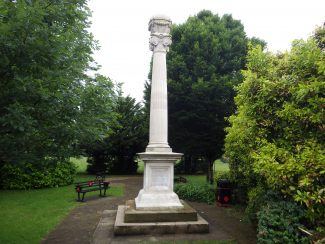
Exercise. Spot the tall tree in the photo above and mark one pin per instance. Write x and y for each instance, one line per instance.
(319, 36)
(204, 64)
(48, 102)
(117, 153)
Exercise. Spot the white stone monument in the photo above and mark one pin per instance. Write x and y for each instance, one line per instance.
(159, 160)
(157, 209)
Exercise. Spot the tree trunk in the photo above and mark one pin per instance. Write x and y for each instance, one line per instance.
(187, 164)
(210, 178)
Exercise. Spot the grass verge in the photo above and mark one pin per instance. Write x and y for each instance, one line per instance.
(81, 163)
(28, 216)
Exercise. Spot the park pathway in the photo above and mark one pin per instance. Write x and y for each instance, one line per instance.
(92, 222)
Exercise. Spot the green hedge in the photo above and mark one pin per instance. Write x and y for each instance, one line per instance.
(221, 175)
(278, 222)
(29, 176)
(196, 193)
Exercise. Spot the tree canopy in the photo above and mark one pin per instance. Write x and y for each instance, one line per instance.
(48, 101)
(117, 152)
(204, 64)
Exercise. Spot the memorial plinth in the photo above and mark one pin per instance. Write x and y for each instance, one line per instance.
(157, 207)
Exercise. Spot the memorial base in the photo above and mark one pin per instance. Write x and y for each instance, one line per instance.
(158, 182)
(130, 221)
(133, 215)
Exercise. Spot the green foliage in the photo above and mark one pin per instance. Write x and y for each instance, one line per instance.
(276, 139)
(258, 198)
(196, 179)
(48, 102)
(195, 192)
(278, 222)
(319, 36)
(116, 154)
(218, 175)
(204, 64)
(80, 163)
(28, 176)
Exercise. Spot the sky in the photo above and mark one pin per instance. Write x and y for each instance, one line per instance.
(121, 28)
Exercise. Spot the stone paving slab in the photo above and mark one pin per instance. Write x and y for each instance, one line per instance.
(104, 231)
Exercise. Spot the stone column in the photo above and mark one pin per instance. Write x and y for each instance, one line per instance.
(160, 40)
(159, 160)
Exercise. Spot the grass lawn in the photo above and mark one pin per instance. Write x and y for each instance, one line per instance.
(28, 216)
(220, 166)
(81, 164)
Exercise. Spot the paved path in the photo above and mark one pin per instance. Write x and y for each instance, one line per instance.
(93, 222)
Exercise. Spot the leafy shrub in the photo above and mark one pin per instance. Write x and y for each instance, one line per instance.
(278, 222)
(255, 202)
(277, 136)
(221, 175)
(197, 193)
(257, 198)
(28, 176)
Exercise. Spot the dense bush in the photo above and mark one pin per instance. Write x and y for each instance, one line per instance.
(257, 198)
(221, 175)
(195, 192)
(278, 222)
(29, 176)
(277, 137)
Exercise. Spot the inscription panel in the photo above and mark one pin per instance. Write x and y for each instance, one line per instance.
(159, 177)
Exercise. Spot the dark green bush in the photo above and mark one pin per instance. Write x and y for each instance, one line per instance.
(221, 175)
(29, 176)
(257, 198)
(196, 193)
(278, 222)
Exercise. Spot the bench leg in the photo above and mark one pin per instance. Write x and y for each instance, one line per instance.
(105, 191)
(83, 196)
(78, 196)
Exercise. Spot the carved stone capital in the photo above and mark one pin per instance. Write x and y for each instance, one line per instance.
(160, 40)
(160, 43)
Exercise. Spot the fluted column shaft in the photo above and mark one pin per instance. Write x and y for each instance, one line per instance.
(158, 104)
(159, 42)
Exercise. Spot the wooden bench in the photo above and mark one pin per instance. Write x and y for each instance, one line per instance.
(99, 184)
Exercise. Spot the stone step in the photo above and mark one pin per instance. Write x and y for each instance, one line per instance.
(133, 215)
(176, 227)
